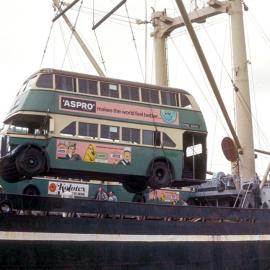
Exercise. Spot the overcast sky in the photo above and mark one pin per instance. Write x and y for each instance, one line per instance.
(25, 29)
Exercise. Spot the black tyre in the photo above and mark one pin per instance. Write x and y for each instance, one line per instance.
(135, 186)
(160, 176)
(30, 162)
(5, 207)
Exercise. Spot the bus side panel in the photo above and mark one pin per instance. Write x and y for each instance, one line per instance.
(141, 158)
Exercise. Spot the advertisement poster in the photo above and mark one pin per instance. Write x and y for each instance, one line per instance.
(58, 188)
(93, 152)
(118, 110)
(164, 195)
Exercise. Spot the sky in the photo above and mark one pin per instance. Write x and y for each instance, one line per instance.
(25, 27)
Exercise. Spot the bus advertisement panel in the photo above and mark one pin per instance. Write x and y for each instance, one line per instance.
(118, 110)
(58, 188)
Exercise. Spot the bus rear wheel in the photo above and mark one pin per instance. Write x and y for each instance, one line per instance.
(30, 162)
(160, 176)
(135, 186)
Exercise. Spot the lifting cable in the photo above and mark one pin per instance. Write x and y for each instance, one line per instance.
(114, 18)
(214, 110)
(71, 35)
(267, 41)
(65, 42)
(134, 41)
(98, 44)
(243, 101)
(264, 34)
(47, 41)
(240, 96)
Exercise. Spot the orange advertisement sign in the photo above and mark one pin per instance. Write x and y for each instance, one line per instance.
(164, 195)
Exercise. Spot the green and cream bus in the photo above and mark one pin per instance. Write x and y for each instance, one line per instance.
(66, 124)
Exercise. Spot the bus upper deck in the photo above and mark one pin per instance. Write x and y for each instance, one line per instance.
(69, 93)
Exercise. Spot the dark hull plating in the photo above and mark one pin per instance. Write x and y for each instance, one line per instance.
(96, 255)
(177, 239)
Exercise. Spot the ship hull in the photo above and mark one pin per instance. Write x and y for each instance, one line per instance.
(141, 241)
(110, 255)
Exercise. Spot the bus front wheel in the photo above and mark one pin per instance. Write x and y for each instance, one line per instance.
(30, 162)
(160, 175)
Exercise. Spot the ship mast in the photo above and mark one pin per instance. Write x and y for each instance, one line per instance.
(242, 94)
(164, 25)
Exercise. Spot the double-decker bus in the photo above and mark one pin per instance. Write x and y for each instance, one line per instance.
(87, 189)
(68, 124)
(56, 187)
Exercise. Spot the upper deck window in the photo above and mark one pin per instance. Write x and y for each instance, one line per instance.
(27, 85)
(109, 89)
(109, 132)
(130, 92)
(88, 130)
(87, 86)
(64, 83)
(150, 96)
(168, 98)
(45, 80)
(185, 102)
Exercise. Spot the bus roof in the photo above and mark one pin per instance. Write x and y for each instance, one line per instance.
(107, 79)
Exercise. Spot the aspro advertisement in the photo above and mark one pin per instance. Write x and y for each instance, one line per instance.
(118, 110)
(58, 188)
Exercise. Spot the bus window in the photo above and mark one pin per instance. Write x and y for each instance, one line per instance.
(109, 90)
(129, 92)
(45, 80)
(168, 98)
(17, 129)
(131, 135)
(29, 124)
(27, 85)
(150, 96)
(88, 130)
(70, 129)
(185, 103)
(151, 137)
(88, 87)
(64, 83)
(109, 132)
(194, 150)
(167, 141)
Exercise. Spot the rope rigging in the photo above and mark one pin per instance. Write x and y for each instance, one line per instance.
(71, 35)
(244, 103)
(65, 43)
(48, 40)
(210, 104)
(98, 44)
(135, 44)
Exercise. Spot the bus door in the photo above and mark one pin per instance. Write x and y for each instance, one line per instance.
(195, 157)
